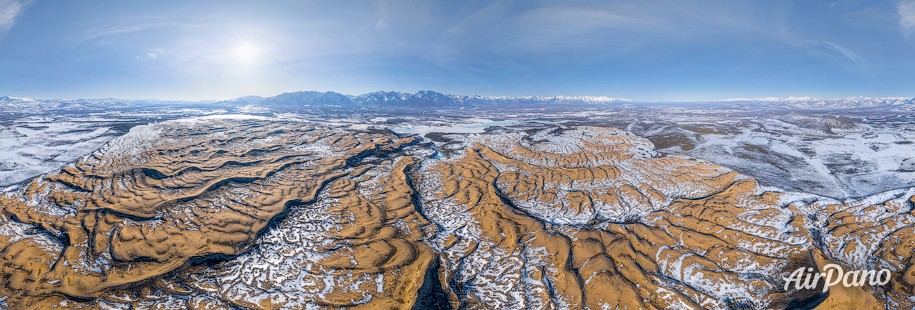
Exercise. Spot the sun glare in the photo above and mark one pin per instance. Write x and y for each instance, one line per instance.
(246, 52)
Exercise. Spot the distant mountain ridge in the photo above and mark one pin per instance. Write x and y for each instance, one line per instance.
(424, 98)
(907, 103)
(432, 99)
(15, 99)
(428, 98)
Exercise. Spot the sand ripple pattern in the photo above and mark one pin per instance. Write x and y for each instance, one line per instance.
(216, 213)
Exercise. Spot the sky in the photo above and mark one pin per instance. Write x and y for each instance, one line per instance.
(645, 50)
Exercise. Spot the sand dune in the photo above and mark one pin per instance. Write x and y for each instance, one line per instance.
(264, 214)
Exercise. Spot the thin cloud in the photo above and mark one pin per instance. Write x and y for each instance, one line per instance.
(127, 27)
(906, 10)
(154, 53)
(845, 52)
(10, 10)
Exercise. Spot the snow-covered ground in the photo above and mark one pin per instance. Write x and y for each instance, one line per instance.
(36, 145)
(869, 157)
(841, 153)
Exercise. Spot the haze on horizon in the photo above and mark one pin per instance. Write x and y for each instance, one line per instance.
(664, 50)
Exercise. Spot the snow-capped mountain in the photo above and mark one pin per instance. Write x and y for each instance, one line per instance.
(904, 103)
(11, 103)
(6, 99)
(424, 98)
(432, 99)
(561, 99)
(14, 104)
(421, 98)
(307, 97)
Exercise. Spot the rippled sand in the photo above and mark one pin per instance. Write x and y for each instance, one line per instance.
(265, 214)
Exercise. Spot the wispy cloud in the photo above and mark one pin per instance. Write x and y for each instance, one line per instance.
(9, 11)
(619, 48)
(906, 10)
(845, 52)
(152, 53)
(126, 26)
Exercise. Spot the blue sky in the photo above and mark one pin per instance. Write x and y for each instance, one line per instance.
(649, 50)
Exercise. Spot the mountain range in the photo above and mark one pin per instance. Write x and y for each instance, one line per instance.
(432, 99)
(423, 98)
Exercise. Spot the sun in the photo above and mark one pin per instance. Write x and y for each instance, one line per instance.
(246, 52)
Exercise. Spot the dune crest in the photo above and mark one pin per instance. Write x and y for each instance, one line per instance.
(257, 213)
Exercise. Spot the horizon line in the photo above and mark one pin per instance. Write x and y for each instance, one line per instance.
(496, 97)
